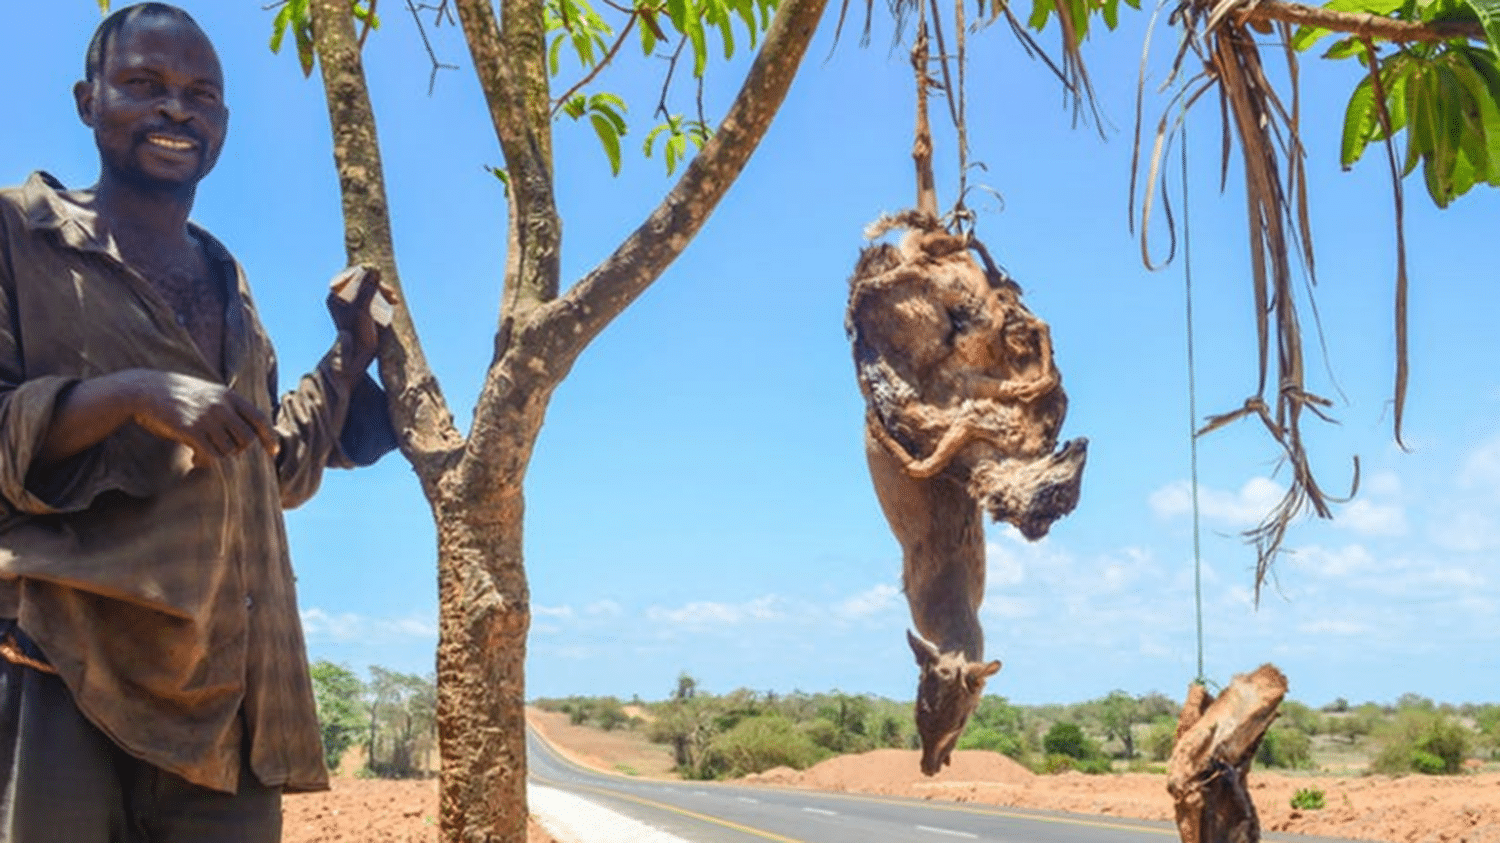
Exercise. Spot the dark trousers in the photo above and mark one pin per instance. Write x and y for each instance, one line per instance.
(63, 781)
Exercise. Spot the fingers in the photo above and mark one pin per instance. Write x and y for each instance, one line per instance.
(211, 419)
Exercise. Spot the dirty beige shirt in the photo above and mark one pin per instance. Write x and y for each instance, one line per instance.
(162, 594)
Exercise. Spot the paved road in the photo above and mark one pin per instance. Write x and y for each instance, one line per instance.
(721, 813)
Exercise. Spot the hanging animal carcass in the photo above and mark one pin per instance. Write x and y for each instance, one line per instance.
(963, 408)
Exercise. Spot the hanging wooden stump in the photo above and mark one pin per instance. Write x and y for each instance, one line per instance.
(1216, 741)
(958, 375)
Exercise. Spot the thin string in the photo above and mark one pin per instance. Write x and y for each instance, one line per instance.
(1187, 271)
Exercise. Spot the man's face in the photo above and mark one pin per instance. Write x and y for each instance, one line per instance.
(157, 104)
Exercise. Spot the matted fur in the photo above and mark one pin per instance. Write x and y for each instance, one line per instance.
(964, 404)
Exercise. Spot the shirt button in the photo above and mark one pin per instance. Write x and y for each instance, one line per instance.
(249, 602)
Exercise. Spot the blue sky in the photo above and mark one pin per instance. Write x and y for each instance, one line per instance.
(698, 499)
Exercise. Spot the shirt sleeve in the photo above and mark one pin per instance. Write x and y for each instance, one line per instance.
(26, 408)
(320, 425)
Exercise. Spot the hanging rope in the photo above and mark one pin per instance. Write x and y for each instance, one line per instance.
(1187, 272)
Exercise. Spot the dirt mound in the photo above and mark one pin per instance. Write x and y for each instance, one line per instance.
(897, 770)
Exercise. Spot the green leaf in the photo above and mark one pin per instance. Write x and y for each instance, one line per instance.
(1040, 9)
(746, 10)
(278, 26)
(678, 11)
(1346, 47)
(1110, 11)
(503, 176)
(575, 106)
(695, 35)
(610, 139)
(553, 55)
(674, 149)
(1463, 82)
(305, 53)
(1488, 12)
(103, 7)
(1360, 118)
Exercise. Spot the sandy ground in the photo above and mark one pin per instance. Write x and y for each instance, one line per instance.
(1408, 809)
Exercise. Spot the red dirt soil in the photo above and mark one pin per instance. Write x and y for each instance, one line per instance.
(1407, 809)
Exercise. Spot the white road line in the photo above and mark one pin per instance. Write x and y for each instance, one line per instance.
(821, 811)
(748, 799)
(948, 832)
(571, 819)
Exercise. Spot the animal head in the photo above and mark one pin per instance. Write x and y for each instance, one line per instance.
(948, 691)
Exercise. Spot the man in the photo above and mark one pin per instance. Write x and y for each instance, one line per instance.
(153, 677)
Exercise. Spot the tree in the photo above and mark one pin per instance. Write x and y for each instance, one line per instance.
(474, 483)
(1118, 714)
(402, 710)
(339, 695)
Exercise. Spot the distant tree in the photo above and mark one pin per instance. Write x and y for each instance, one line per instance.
(1302, 718)
(1414, 702)
(1118, 714)
(402, 712)
(1286, 747)
(1068, 739)
(1338, 706)
(339, 695)
(686, 723)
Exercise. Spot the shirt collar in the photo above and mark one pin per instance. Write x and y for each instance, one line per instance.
(82, 229)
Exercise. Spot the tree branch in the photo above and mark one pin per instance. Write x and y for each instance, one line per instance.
(511, 64)
(418, 409)
(575, 319)
(1360, 24)
(608, 57)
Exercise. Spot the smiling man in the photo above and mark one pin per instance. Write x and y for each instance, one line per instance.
(153, 679)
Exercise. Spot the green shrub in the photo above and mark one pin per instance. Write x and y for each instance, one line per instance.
(1308, 799)
(1068, 739)
(1160, 739)
(993, 740)
(756, 744)
(1422, 741)
(1285, 748)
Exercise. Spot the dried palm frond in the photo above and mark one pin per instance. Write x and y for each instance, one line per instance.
(1270, 145)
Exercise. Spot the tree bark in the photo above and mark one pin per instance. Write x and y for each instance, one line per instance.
(1361, 24)
(429, 440)
(1216, 741)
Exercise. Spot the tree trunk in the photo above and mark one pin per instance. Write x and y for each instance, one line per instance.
(481, 668)
(1216, 741)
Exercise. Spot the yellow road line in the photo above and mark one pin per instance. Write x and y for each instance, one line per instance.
(663, 806)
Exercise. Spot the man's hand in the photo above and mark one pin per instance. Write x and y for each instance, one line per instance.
(350, 299)
(210, 418)
(207, 417)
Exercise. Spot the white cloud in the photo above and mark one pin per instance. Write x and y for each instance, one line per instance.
(1004, 566)
(1480, 468)
(1368, 518)
(552, 611)
(603, 609)
(347, 627)
(1245, 507)
(1333, 562)
(872, 601)
(1328, 626)
(708, 613)
(1466, 529)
